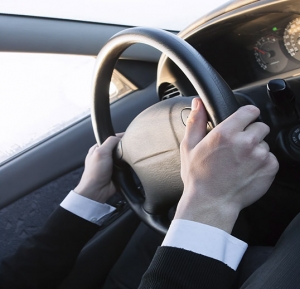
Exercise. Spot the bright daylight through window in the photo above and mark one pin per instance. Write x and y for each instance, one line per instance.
(43, 94)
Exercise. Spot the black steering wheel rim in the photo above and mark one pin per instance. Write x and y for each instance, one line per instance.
(215, 93)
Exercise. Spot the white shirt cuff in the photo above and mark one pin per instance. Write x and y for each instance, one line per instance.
(85, 208)
(205, 240)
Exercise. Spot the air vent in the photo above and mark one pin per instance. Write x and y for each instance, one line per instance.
(170, 91)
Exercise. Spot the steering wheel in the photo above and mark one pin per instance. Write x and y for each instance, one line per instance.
(150, 145)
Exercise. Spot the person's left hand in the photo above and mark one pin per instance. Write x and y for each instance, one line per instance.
(96, 183)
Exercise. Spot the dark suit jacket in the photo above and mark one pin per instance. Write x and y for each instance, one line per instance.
(177, 268)
(45, 259)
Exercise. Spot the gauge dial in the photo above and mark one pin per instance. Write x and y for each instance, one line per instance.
(269, 55)
(291, 38)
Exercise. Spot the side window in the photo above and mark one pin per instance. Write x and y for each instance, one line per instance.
(42, 94)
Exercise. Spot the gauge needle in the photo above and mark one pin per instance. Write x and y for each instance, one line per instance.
(264, 52)
(260, 51)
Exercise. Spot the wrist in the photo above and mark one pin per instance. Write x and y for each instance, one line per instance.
(222, 216)
(93, 193)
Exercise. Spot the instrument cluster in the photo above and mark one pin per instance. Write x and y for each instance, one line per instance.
(272, 51)
(249, 47)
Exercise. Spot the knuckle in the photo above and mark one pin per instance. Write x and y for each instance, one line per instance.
(267, 147)
(183, 145)
(191, 119)
(249, 142)
(99, 153)
(262, 156)
(221, 136)
(273, 163)
(261, 152)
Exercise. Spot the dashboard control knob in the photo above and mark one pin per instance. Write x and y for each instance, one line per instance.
(281, 95)
(296, 136)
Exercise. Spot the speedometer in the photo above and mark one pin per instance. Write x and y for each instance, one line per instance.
(291, 38)
(269, 55)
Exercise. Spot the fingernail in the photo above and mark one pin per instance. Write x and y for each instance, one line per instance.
(195, 104)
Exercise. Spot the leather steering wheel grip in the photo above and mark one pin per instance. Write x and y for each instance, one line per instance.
(213, 90)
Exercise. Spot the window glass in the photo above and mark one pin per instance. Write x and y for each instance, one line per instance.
(41, 94)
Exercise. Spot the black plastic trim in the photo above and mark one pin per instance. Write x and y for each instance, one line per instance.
(44, 35)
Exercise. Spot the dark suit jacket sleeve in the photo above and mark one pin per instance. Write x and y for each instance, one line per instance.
(177, 268)
(46, 258)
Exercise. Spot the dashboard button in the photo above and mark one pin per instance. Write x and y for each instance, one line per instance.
(296, 136)
(185, 114)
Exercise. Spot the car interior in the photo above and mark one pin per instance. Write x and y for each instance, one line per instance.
(244, 52)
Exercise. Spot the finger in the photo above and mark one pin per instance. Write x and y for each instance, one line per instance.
(273, 163)
(120, 134)
(196, 124)
(239, 120)
(92, 148)
(264, 145)
(257, 130)
(109, 145)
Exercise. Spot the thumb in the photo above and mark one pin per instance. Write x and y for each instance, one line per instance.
(196, 124)
(108, 146)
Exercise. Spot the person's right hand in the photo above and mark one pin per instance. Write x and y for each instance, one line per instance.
(96, 183)
(226, 170)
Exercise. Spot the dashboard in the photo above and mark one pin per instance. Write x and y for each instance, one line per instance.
(249, 46)
(249, 43)
(255, 49)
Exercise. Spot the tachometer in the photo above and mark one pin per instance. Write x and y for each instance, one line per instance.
(269, 55)
(291, 38)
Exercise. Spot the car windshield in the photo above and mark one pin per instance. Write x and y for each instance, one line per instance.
(167, 14)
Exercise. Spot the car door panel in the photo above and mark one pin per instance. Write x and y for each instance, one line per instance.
(34, 182)
(65, 151)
